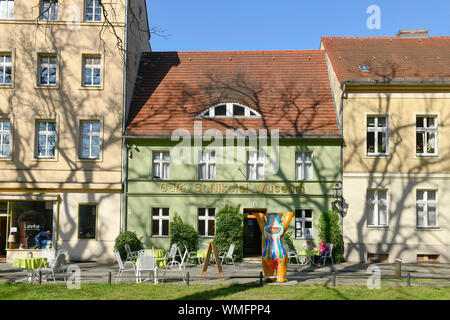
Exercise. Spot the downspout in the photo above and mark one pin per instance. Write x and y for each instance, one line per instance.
(341, 120)
(124, 118)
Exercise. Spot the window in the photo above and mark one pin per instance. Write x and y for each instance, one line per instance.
(160, 222)
(90, 140)
(91, 71)
(47, 70)
(303, 166)
(161, 163)
(31, 224)
(377, 136)
(49, 10)
(93, 10)
(87, 221)
(6, 9)
(427, 213)
(303, 223)
(230, 110)
(426, 135)
(255, 165)
(207, 165)
(206, 222)
(5, 69)
(46, 142)
(5, 138)
(377, 204)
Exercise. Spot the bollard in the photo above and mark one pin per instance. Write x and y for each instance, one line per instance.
(187, 279)
(261, 279)
(409, 278)
(398, 268)
(334, 279)
(40, 277)
(109, 277)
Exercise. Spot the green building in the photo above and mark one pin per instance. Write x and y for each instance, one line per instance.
(256, 129)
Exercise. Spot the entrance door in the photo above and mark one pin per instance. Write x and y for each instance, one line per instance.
(252, 233)
(3, 234)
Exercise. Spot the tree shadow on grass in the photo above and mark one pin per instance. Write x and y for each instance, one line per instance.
(220, 292)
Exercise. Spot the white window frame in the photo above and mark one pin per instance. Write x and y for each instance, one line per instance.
(9, 9)
(50, 14)
(425, 202)
(48, 65)
(4, 65)
(206, 218)
(300, 224)
(211, 112)
(160, 161)
(160, 218)
(92, 67)
(93, 7)
(4, 133)
(253, 163)
(376, 202)
(47, 133)
(377, 130)
(209, 162)
(301, 165)
(90, 135)
(426, 131)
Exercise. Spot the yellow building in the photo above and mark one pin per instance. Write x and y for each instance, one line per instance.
(67, 68)
(393, 97)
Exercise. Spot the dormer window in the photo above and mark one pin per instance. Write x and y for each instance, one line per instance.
(230, 110)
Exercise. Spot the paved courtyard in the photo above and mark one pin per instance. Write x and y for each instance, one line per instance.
(249, 271)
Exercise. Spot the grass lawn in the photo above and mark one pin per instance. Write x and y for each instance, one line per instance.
(170, 291)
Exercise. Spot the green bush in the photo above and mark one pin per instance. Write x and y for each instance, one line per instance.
(288, 240)
(131, 239)
(330, 232)
(183, 234)
(229, 230)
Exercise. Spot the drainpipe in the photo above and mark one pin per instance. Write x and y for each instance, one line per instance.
(341, 120)
(124, 118)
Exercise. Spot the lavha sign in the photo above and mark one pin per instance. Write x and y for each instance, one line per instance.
(246, 188)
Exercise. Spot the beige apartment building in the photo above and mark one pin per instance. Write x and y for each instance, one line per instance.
(67, 69)
(393, 101)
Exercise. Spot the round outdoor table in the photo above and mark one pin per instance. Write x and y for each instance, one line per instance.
(308, 254)
(30, 264)
(158, 254)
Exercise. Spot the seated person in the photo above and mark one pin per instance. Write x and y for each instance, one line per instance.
(40, 237)
(308, 245)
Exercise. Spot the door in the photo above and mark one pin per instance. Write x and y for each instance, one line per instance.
(252, 233)
(3, 235)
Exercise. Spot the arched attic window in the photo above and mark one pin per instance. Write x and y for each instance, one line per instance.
(229, 110)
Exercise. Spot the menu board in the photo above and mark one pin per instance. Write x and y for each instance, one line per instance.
(212, 249)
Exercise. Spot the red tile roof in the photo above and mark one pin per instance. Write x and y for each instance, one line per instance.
(290, 89)
(391, 59)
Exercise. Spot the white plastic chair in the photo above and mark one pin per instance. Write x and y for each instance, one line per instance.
(229, 255)
(146, 263)
(131, 255)
(57, 265)
(292, 254)
(49, 254)
(123, 267)
(329, 254)
(180, 265)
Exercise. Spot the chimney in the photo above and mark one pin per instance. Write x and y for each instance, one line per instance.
(412, 34)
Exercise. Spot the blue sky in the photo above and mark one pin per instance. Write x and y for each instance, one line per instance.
(199, 25)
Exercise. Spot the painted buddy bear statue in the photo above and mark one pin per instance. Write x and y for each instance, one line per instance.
(274, 254)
